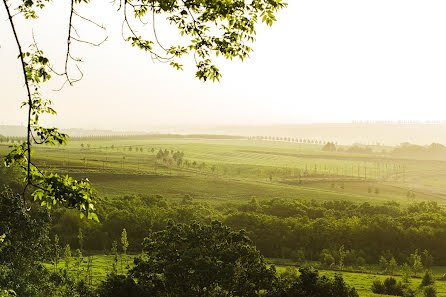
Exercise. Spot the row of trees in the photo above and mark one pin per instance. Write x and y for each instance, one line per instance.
(290, 139)
(193, 259)
(300, 230)
(11, 139)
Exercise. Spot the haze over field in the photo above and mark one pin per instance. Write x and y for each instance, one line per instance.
(315, 168)
(342, 133)
(323, 61)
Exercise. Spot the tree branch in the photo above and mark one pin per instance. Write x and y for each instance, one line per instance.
(28, 140)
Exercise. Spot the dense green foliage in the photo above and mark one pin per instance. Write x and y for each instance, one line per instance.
(211, 260)
(308, 283)
(201, 260)
(296, 229)
(390, 286)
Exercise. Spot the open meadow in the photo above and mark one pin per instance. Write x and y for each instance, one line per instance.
(216, 169)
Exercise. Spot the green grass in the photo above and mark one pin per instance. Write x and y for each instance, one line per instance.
(363, 281)
(102, 265)
(245, 169)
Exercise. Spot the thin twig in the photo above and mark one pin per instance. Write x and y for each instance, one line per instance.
(88, 20)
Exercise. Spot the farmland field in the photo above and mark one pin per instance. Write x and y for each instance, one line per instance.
(238, 169)
(218, 171)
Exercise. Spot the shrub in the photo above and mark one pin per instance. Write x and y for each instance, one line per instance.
(429, 291)
(378, 287)
(391, 287)
(428, 279)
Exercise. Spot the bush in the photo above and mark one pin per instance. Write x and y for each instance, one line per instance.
(310, 284)
(428, 279)
(119, 286)
(429, 291)
(391, 287)
(378, 287)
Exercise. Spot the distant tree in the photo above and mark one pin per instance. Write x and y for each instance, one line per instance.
(406, 272)
(67, 257)
(415, 262)
(383, 264)
(428, 279)
(427, 259)
(80, 238)
(159, 154)
(125, 245)
(114, 252)
(327, 258)
(342, 254)
(393, 265)
(78, 259)
(56, 248)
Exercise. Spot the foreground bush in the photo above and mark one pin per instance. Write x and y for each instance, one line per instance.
(391, 287)
(309, 284)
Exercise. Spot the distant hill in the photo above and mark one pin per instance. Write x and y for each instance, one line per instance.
(433, 151)
(75, 132)
(340, 133)
(12, 130)
(349, 133)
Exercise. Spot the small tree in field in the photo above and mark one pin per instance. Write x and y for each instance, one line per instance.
(56, 251)
(383, 264)
(428, 279)
(78, 259)
(67, 256)
(114, 252)
(406, 271)
(393, 265)
(125, 245)
(427, 259)
(415, 262)
(80, 237)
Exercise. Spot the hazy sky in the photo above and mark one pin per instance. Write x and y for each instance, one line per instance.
(323, 61)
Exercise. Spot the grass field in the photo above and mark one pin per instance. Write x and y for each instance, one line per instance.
(222, 170)
(101, 265)
(229, 170)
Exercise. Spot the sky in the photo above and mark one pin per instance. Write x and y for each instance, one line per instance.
(323, 61)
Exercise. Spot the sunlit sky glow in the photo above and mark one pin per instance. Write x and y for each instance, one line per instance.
(323, 61)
